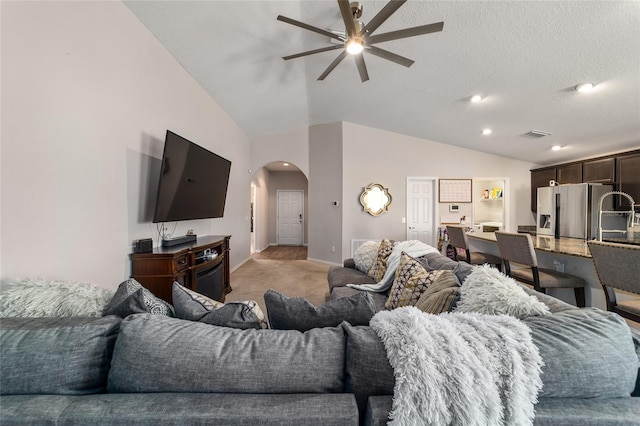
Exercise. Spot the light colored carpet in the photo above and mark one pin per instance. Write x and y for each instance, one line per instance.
(301, 278)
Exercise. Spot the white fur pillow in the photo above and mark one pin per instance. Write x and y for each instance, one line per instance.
(488, 291)
(365, 255)
(43, 298)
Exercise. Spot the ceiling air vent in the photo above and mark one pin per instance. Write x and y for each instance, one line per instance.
(536, 134)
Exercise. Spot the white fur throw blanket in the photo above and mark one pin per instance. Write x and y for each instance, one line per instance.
(413, 248)
(459, 369)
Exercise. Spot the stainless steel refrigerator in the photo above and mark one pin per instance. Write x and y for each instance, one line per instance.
(571, 210)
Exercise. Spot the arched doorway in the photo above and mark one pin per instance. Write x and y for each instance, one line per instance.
(267, 183)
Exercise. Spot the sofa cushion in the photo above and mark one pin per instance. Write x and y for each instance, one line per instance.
(411, 280)
(442, 295)
(587, 411)
(332, 409)
(438, 261)
(154, 353)
(365, 255)
(193, 306)
(297, 313)
(367, 368)
(587, 353)
(489, 291)
(64, 356)
(339, 276)
(379, 267)
(378, 409)
(130, 289)
(379, 299)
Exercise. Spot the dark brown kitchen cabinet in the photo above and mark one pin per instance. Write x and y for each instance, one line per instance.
(628, 177)
(601, 170)
(622, 170)
(540, 177)
(569, 173)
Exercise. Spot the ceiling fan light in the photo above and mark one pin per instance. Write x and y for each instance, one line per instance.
(354, 46)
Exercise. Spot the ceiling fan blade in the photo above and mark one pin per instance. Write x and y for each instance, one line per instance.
(383, 15)
(347, 17)
(308, 27)
(333, 65)
(362, 68)
(385, 54)
(311, 52)
(407, 32)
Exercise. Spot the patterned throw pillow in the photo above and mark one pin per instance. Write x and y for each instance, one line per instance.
(442, 295)
(132, 298)
(412, 279)
(380, 265)
(193, 306)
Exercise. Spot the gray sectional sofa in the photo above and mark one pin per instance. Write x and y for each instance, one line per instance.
(582, 357)
(150, 369)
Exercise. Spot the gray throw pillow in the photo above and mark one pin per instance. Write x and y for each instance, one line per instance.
(126, 301)
(297, 313)
(192, 306)
(587, 353)
(124, 304)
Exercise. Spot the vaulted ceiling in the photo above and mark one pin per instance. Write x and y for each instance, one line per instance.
(524, 57)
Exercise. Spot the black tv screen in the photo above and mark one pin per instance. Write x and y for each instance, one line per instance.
(193, 182)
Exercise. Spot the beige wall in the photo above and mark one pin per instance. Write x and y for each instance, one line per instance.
(325, 187)
(87, 96)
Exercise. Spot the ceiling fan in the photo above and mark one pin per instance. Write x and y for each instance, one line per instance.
(359, 37)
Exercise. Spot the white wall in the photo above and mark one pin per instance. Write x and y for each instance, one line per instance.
(87, 96)
(377, 156)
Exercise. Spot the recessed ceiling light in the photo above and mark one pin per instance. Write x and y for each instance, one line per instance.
(476, 98)
(585, 87)
(487, 131)
(285, 164)
(556, 148)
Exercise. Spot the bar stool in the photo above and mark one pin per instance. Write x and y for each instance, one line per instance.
(618, 266)
(518, 248)
(458, 239)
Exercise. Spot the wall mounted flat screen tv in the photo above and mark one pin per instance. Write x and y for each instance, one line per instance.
(193, 182)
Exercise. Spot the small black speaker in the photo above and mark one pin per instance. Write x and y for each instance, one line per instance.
(144, 245)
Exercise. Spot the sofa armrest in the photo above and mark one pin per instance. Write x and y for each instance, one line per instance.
(349, 263)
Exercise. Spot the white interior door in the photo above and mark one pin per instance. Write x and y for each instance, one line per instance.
(290, 217)
(421, 210)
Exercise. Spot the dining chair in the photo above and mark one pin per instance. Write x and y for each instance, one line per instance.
(518, 248)
(458, 239)
(618, 267)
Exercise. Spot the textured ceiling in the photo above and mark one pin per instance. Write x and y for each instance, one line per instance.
(525, 57)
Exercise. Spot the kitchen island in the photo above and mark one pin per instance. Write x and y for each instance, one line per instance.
(570, 255)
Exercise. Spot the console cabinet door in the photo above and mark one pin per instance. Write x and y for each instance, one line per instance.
(628, 177)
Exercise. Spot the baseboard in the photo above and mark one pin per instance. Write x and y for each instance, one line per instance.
(240, 264)
(324, 261)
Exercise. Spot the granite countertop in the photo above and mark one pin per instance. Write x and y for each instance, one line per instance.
(562, 245)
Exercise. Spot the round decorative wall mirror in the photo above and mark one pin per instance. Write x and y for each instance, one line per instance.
(375, 199)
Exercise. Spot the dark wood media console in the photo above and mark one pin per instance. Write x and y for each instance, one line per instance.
(202, 266)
